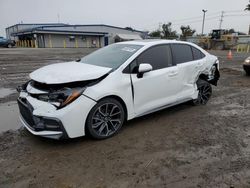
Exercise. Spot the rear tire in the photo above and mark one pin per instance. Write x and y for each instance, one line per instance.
(9, 46)
(205, 92)
(105, 119)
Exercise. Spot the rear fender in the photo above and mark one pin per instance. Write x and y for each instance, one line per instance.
(213, 75)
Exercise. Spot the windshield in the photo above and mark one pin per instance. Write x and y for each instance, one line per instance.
(111, 56)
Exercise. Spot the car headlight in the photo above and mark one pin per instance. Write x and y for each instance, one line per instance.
(64, 96)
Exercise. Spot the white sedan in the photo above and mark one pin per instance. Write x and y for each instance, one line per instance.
(98, 93)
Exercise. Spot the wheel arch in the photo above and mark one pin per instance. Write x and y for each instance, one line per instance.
(121, 101)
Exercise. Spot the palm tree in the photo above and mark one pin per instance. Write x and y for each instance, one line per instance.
(248, 7)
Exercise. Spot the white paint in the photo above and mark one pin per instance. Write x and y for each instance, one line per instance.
(68, 72)
(157, 88)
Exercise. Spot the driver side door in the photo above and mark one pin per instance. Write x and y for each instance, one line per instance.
(159, 87)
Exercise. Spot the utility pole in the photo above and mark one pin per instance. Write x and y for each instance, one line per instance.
(221, 19)
(58, 18)
(203, 22)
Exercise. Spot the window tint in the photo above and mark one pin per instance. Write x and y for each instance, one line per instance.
(197, 53)
(181, 53)
(159, 57)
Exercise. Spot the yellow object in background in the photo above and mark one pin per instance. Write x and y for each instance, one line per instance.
(76, 43)
(64, 43)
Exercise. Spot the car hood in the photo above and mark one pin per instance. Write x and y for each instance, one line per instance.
(68, 72)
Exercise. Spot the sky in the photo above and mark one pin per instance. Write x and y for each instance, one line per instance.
(138, 14)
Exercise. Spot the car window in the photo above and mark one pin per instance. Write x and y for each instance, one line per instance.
(197, 54)
(111, 56)
(159, 57)
(181, 53)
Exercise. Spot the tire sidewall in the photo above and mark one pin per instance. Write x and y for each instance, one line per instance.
(88, 125)
(201, 83)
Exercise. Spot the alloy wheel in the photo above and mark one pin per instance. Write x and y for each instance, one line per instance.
(107, 119)
(205, 92)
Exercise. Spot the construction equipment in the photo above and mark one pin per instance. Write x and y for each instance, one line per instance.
(218, 40)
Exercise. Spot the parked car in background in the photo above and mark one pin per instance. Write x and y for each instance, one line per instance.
(7, 43)
(114, 84)
(246, 66)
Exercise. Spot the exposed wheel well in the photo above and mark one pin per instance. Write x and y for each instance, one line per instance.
(215, 76)
(121, 101)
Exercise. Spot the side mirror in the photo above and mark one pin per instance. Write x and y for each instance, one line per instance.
(143, 68)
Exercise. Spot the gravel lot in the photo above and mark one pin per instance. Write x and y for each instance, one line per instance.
(183, 146)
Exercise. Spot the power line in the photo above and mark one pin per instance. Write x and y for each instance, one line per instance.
(231, 15)
(207, 15)
(234, 11)
(196, 17)
(196, 21)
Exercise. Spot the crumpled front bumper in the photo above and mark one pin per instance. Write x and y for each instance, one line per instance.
(43, 119)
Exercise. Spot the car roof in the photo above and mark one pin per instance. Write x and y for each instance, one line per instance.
(151, 42)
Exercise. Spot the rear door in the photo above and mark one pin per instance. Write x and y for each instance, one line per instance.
(189, 62)
(158, 87)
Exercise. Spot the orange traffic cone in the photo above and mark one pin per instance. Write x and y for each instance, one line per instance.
(230, 55)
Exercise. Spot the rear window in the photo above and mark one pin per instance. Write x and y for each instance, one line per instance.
(181, 53)
(197, 54)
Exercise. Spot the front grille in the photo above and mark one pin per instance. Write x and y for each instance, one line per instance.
(26, 111)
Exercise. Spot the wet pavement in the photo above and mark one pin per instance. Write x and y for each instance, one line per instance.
(9, 117)
(4, 92)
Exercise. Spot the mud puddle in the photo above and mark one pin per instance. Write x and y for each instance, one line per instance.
(9, 118)
(4, 92)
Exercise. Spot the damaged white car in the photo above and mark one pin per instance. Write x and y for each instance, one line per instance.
(98, 93)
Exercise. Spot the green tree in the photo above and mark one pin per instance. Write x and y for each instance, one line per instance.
(167, 31)
(155, 34)
(186, 31)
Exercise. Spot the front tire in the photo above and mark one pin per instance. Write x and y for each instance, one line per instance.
(105, 118)
(205, 92)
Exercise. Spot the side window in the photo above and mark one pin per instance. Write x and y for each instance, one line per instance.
(181, 53)
(159, 57)
(197, 54)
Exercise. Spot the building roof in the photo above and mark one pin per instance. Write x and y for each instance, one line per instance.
(36, 31)
(58, 25)
(39, 24)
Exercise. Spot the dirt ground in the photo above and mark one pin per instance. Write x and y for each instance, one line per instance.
(183, 146)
